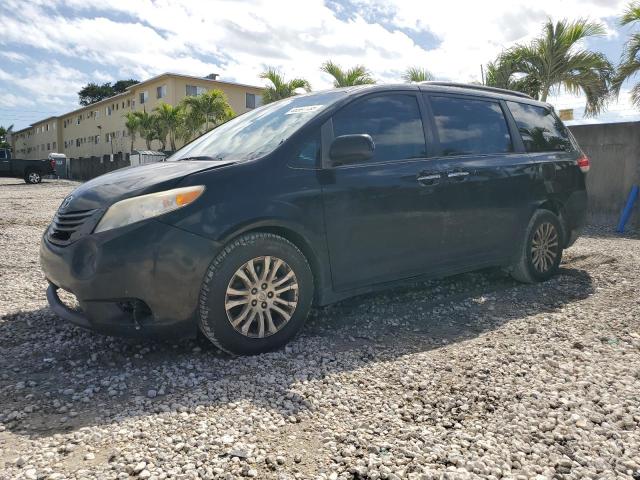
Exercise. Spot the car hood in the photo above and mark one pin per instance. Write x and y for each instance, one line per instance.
(107, 189)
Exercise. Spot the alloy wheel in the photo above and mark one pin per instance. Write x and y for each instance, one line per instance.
(261, 297)
(544, 247)
(34, 177)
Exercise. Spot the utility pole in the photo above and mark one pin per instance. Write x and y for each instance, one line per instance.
(482, 74)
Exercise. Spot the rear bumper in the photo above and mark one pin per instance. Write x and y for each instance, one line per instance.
(139, 281)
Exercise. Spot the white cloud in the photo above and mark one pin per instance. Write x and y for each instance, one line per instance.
(141, 38)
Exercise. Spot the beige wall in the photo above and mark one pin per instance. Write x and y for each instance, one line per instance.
(102, 133)
(38, 140)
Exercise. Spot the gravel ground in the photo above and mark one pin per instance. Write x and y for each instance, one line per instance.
(475, 376)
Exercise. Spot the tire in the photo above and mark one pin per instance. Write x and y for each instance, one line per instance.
(532, 267)
(226, 295)
(32, 177)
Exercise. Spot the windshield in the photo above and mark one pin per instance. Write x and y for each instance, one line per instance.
(258, 132)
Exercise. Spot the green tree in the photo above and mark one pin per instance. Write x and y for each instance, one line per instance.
(92, 92)
(208, 109)
(630, 63)
(4, 131)
(357, 75)
(167, 122)
(146, 127)
(280, 88)
(555, 59)
(501, 74)
(417, 74)
(132, 124)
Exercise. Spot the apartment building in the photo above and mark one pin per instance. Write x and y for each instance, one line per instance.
(99, 129)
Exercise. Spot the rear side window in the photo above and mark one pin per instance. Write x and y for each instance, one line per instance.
(393, 121)
(541, 130)
(469, 126)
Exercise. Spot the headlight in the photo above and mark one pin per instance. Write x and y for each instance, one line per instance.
(140, 208)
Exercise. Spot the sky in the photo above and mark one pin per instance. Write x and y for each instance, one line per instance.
(49, 49)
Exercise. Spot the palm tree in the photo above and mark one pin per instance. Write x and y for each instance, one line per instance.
(4, 132)
(630, 65)
(417, 74)
(132, 124)
(555, 60)
(357, 75)
(500, 74)
(209, 109)
(168, 119)
(146, 127)
(280, 88)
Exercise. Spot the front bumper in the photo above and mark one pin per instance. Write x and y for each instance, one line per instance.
(142, 280)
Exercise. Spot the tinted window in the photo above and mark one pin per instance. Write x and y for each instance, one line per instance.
(468, 127)
(307, 152)
(541, 130)
(393, 121)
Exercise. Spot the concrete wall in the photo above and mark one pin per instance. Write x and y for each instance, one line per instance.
(614, 150)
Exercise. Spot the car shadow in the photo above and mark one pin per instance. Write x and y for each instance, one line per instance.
(57, 378)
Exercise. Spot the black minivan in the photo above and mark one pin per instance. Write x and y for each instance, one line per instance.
(313, 199)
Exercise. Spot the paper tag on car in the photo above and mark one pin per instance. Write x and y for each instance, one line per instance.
(307, 109)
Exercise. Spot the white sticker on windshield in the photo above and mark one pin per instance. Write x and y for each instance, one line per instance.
(307, 109)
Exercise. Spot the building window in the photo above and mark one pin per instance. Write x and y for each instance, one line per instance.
(128, 102)
(144, 96)
(77, 142)
(107, 111)
(48, 146)
(193, 90)
(161, 92)
(250, 100)
(78, 119)
(54, 145)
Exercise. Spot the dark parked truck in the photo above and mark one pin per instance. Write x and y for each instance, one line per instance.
(313, 199)
(31, 170)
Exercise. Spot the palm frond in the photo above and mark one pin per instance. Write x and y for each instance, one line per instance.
(631, 14)
(417, 74)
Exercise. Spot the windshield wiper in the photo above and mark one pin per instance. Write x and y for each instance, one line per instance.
(202, 157)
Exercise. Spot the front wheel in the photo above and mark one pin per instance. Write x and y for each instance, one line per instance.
(33, 177)
(540, 255)
(256, 294)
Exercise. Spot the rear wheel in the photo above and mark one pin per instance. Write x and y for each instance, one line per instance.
(256, 294)
(33, 177)
(541, 252)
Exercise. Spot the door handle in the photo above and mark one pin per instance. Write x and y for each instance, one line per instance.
(426, 178)
(457, 174)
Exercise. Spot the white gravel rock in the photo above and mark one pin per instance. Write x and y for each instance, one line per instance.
(474, 376)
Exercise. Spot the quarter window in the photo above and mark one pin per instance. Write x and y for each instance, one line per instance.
(541, 130)
(393, 121)
(307, 152)
(470, 127)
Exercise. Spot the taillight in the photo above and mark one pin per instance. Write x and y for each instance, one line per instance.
(583, 163)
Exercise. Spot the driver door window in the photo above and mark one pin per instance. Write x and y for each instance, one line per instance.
(393, 121)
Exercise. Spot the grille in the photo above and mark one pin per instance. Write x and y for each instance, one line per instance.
(65, 225)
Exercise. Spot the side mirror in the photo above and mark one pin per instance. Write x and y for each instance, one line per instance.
(351, 148)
